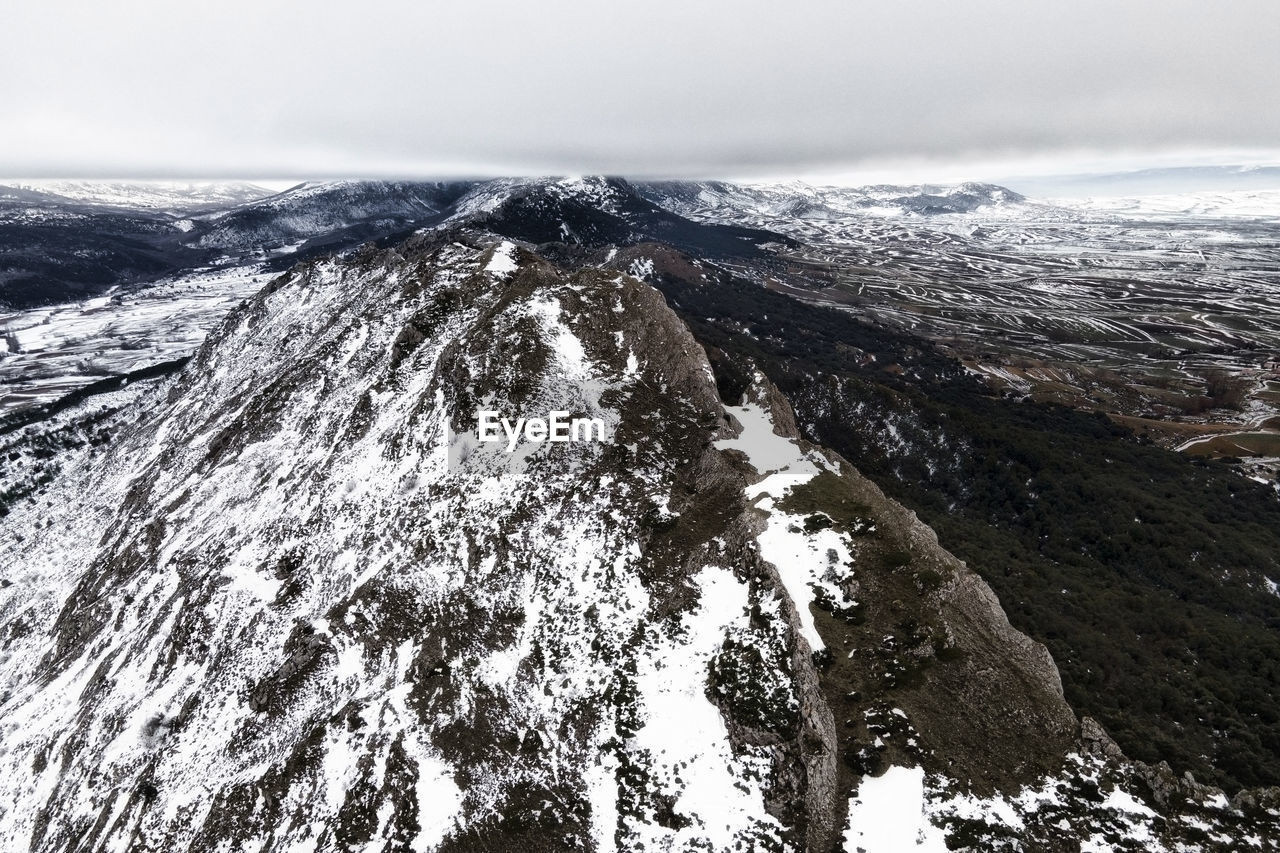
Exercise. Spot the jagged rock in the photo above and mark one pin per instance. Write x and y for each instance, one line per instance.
(268, 689)
(1096, 741)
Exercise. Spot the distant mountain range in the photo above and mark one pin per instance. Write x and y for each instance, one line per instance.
(173, 197)
(68, 240)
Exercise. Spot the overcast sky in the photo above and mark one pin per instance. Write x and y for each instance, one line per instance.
(258, 88)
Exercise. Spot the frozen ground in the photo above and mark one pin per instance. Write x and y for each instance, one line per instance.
(1122, 304)
(50, 351)
(1259, 204)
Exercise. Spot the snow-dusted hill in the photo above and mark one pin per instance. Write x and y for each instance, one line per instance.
(265, 565)
(325, 210)
(286, 600)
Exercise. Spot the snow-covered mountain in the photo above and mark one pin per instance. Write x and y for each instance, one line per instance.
(297, 605)
(335, 211)
(56, 249)
(280, 596)
(62, 240)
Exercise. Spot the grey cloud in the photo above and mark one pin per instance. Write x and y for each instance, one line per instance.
(710, 88)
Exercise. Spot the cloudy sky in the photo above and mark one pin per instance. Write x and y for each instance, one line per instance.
(260, 88)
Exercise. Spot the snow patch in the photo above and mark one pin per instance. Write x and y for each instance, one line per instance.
(685, 733)
(503, 261)
(887, 815)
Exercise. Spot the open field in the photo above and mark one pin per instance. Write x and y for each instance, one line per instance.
(1129, 312)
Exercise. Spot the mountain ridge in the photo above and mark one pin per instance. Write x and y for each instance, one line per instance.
(360, 639)
(985, 472)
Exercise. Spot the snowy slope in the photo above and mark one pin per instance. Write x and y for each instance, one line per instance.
(285, 600)
(325, 209)
(323, 607)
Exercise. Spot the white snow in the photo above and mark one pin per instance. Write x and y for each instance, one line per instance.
(503, 262)
(777, 458)
(685, 733)
(569, 353)
(1122, 801)
(887, 815)
(439, 799)
(802, 559)
(641, 268)
(170, 196)
(803, 564)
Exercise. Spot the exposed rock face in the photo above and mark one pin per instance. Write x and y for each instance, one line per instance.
(299, 607)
